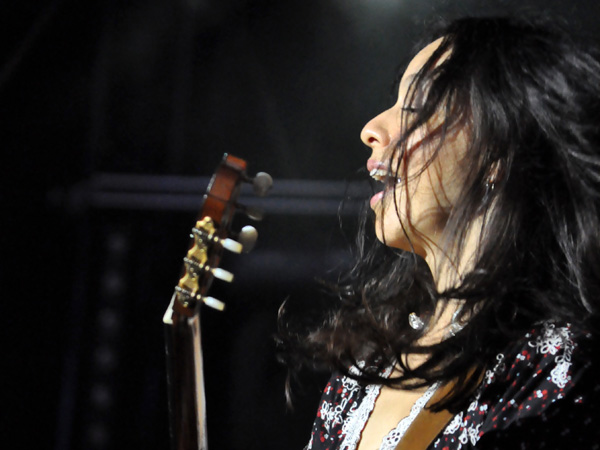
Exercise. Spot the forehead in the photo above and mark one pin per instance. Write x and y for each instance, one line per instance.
(418, 62)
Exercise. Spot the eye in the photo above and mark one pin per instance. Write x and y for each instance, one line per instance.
(410, 109)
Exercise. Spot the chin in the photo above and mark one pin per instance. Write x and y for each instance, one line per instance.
(395, 240)
(399, 240)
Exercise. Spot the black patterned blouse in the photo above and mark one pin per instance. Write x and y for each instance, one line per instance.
(541, 394)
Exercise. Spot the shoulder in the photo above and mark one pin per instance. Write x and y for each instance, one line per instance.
(541, 388)
(340, 398)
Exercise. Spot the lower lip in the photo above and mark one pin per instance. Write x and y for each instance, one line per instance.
(376, 198)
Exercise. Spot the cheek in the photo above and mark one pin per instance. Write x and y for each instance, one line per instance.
(415, 141)
(448, 182)
(420, 205)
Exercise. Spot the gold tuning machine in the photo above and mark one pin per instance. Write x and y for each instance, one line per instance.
(204, 233)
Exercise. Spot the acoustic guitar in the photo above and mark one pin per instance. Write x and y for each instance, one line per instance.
(210, 236)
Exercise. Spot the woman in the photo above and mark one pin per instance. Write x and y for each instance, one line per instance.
(469, 319)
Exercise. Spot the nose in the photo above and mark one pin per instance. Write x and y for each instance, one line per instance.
(376, 133)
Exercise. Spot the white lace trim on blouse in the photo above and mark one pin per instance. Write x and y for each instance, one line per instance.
(357, 419)
(556, 341)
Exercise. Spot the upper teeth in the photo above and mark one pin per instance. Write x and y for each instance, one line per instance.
(382, 175)
(379, 174)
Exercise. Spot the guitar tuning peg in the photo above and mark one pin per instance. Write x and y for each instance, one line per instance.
(213, 303)
(231, 245)
(247, 238)
(254, 213)
(194, 268)
(262, 183)
(222, 274)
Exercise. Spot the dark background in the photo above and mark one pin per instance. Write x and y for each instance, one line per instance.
(113, 114)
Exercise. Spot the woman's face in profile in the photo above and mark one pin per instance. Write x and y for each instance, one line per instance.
(422, 198)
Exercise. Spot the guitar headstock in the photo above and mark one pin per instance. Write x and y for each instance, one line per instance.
(212, 234)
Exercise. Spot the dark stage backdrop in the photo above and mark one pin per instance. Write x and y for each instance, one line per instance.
(113, 114)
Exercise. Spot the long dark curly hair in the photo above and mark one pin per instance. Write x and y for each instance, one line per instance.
(529, 96)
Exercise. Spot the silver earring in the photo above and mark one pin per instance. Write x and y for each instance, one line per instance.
(415, 322)
(455, 325)
(489, 188)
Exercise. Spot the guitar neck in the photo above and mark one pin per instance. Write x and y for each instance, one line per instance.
(209, 237)
(187, 406)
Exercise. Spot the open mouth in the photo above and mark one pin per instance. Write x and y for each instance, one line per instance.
(382, 175)
(386, 178)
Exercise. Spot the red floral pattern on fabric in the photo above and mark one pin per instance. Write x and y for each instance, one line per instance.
(537, 395)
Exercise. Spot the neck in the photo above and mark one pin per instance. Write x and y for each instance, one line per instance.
(448, 272)
(449, 264)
